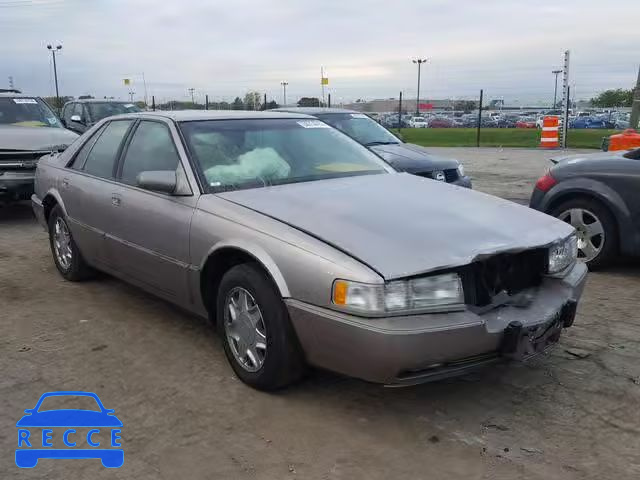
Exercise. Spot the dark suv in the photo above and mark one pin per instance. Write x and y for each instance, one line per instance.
(404, 157)
(80, 115)
(29, 129)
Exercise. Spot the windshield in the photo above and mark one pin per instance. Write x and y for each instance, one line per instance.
(360, 127)
(98, 110)
(250, 153)
(27, 112)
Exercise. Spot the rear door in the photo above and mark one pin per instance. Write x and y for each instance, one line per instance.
(149, 236)
(87, 186)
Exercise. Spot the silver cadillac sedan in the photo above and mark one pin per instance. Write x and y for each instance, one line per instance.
(305, 248)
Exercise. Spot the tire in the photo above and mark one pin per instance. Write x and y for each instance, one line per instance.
(282, 359)
(610, 239)
(76, 269)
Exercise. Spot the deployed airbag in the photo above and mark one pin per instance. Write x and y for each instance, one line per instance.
(260, 163)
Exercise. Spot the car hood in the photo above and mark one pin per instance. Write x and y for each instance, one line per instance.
(15, 137)
(413, 158)
(402, 225)
(69, 418)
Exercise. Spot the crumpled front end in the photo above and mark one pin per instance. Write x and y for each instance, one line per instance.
(412, 349)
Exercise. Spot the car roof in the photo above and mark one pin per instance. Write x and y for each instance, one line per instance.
(194, 115)
(16, 95)
(99, 100)
(313, 110)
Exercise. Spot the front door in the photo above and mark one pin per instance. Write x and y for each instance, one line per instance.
(150, 235)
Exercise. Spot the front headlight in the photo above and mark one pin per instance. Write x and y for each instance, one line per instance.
(424, 294)
(562, 254)
(461, 170)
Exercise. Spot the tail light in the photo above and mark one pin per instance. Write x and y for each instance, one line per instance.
(545, 182)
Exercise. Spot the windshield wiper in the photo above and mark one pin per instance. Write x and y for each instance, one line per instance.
(372, 144)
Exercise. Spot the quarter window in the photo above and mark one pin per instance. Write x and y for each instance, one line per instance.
(103, 154)
(151, 148)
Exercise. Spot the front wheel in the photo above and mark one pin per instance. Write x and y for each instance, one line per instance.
(66, 255)
(259, 341)
(596, 230)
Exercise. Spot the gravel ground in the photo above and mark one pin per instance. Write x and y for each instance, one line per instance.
(572, 414)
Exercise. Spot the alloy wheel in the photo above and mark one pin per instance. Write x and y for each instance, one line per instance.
(245, 329)
(589, 230)
(62, 243)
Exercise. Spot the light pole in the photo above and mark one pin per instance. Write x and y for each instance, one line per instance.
(55, 72)
(131, 94)
(191, 90)
(555, 90)
(419, 61)
(284, 84)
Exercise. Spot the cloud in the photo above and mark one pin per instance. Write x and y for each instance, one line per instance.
(507, 47)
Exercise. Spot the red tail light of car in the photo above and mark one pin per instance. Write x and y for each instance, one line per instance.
(546, 182)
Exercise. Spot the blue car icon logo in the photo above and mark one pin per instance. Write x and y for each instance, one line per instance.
(40, 428)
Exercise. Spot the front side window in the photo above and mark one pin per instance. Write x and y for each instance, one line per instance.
(151, 148)
(360, 127)
(251, 153)
(27, 112)
(102, 156)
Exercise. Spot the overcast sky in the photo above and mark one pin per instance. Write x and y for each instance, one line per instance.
(225, 48)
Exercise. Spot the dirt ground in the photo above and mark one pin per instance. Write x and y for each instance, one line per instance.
(573, 414)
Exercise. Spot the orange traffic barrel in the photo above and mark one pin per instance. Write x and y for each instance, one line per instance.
(625, 140)
(550, 129)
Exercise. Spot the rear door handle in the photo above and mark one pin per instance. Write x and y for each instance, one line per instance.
(116, 200)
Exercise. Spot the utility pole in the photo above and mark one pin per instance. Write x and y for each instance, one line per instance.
(284, 84)
(479, 119)
(11, 82)
(566, 100)
(55, 72)
(555, 90)
(400, 113)
(635, 105)
(191, 90)
(419, 62)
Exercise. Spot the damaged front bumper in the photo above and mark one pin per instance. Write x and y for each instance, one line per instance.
(412, 349)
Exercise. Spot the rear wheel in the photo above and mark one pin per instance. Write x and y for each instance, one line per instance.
(596, 229)
(254, 324)
(66, 255)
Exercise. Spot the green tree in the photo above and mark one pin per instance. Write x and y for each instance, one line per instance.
(309, 102)
(618, 97)
(465, 105)
(238, 104)
(252, 100)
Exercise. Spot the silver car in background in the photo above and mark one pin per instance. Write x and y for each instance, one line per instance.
(306, 249)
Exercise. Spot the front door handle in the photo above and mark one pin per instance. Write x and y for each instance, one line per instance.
(116, 200)
(65, 183)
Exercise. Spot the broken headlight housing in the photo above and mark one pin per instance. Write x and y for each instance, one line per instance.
(562, 254)
(418, 295)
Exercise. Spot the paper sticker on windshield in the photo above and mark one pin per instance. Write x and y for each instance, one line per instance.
(51, 120)
(129, 105)
(358, 115)
(25, 100)
(312, 124)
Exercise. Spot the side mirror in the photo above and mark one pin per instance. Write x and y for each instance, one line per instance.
(76, 118)
(164, 181)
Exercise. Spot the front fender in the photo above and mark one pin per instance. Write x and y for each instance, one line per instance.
(257, 252)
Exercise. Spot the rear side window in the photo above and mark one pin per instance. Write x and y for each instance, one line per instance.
(102, 156)
(151, 148)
